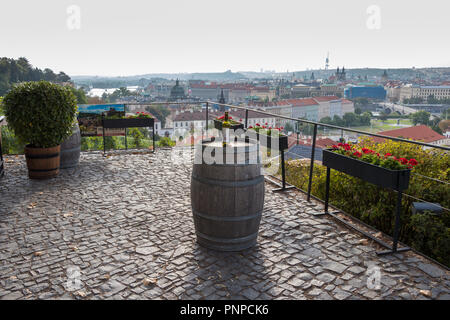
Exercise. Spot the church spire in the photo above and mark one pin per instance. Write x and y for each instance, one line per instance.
(222, 101)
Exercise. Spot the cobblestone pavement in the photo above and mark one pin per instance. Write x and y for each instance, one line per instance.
(121, 228)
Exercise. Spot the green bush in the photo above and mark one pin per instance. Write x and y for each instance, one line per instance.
(166, 142)
(40, 113)
(376, 206)
(10, 144)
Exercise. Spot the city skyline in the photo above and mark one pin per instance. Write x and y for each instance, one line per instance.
(110, 39)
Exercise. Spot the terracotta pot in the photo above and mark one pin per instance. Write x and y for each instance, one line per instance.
(43, 163)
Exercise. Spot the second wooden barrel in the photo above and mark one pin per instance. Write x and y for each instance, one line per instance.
(227, 195)
(71, 148)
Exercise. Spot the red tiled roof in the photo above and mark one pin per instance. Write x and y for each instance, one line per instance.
(196, 115)
(269, 104)
(302, 102)
(418, 133)
(346, 101)
(326, 98)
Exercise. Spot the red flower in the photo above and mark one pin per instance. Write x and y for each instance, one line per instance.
(403, 160)
(258, 125)
(281, 128)
(266, 123)
(250, 127)
(366, 151)
(335, 147)
(388, 155)
(221, 117)
(413, 162)
(340, 144)
(357, 154)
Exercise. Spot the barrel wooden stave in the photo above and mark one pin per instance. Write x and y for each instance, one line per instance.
(227, 203)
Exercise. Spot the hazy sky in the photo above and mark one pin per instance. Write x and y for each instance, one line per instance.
(137, 37)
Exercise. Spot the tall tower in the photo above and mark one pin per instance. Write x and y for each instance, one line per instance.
(222, 101)
(327, 61)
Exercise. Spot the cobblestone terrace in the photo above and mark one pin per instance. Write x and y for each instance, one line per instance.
(125, 221)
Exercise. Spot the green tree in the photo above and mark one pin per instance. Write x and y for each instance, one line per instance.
(80, 95)
(420, 117)
(326, 120)
(350, 119)
(383, 116)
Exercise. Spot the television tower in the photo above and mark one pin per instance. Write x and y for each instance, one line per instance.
(327, 61)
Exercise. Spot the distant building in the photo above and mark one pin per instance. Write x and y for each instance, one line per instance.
(177, 92)
(329, 106)
(414, 91)
(301, 91)
(341, 74)
(185, 121)
(365, 91)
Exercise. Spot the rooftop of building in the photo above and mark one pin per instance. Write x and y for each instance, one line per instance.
(418, 133)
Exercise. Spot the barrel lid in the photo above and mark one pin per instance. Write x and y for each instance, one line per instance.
(238, 146)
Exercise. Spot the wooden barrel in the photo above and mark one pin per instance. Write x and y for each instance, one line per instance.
(71, 148)
(227, 197)
(43, 163)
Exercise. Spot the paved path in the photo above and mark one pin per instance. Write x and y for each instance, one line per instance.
(121, 227)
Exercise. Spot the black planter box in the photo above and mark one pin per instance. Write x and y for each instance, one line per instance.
(393, 179)
(267, 141)
(128, 123)
(218, 125)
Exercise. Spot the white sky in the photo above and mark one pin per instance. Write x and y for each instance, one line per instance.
(137, 37)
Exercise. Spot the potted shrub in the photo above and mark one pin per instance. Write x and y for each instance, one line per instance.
(384, 170)
(268, 136)
(41, 115)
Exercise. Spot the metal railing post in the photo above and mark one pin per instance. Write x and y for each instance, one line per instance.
(246, 118)
(311, 167)
(207, 118)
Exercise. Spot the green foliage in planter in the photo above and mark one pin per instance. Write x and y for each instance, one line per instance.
(166, 142)
(137, 136)
(40, 113)
(376, 206)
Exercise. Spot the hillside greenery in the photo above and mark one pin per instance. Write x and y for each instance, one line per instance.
(20, 70)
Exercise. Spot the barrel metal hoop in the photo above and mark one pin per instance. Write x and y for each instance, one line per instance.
(236, 184)
(227, 240)
(226, 219)
(42, 156)
(42, 170)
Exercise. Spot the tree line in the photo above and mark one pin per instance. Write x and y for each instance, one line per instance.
(349, 119)
(19, 70)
